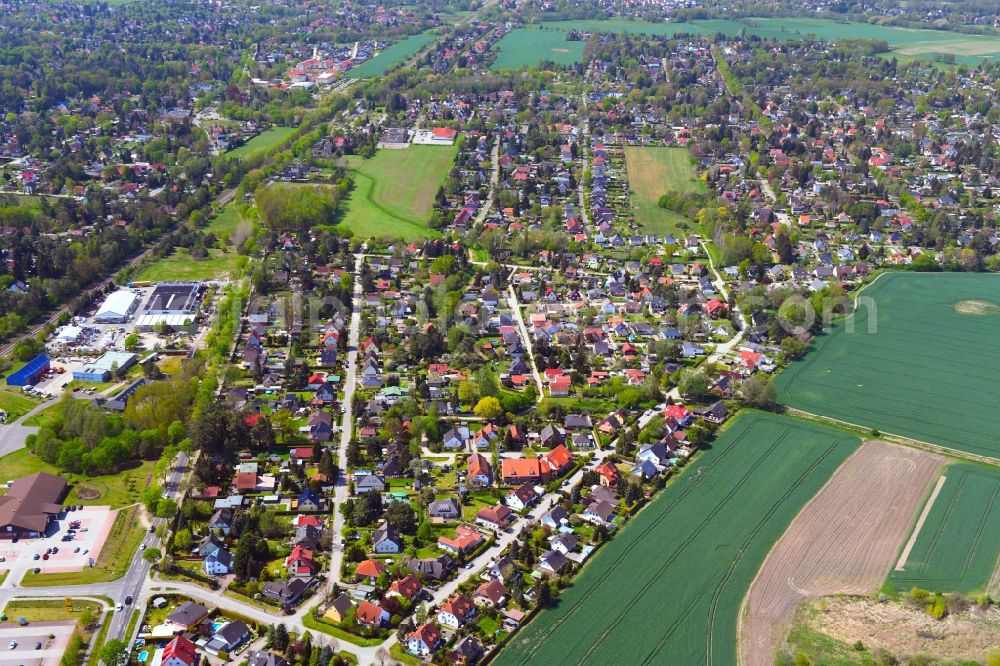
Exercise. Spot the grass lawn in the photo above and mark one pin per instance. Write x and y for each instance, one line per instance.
(653, 172)
(391, 56)
(45, 416)
(113, 562)
(180, 266)
(393, 194)
(264, 141)
(956, 549)
(600, 407)
(16, 403)
(668, 587)
(918, 359)
(396, 652)
(330, 630)
(529, 47)
(50, 611)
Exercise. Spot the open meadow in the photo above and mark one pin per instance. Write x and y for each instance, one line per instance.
(926, 370)
(668, 588)
(266, 140)
(393, 194)
(653, 172)
(844, 541)
(391, 56)
(955, 548)
(180, 265)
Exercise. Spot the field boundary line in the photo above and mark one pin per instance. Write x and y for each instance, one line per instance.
(905, 555)
(866, 433)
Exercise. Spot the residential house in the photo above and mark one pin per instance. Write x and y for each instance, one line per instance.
(492, 594)
(496, 518)
(371, 614)
(286, 592)
(521, 497)
(424, 640)
(455, 612)
(338, 610)
(446, 509)
(515, 471)
(386, 540)
(186, 616)
(228, 637)
(300, 563)
(467, 539)
(408, 587)
(179, 652)
(552, 562)
(479, 472)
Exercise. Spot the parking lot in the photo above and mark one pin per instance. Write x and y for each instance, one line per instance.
(27, 637)
(95, 524)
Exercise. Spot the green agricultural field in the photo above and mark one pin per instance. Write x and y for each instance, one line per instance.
(957, 546)
(653, 172)
(926, 370)
(393, 194)
(669, 587)
(264, 141)
(181, 266)
(391, 56)
(529, 47)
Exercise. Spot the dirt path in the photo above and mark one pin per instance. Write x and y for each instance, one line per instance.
(843, 541)
(905, 555)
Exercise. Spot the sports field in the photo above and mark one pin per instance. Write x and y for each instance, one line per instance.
(956, 547)
(668, 588)
(394, 192)
(928, 371)
(652, 172)
(266, 140)
(392, 55)
(529, 47)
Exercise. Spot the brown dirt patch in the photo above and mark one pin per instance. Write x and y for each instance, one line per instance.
(976, 307)
(906, 631)
(844, 541)
(87, 493)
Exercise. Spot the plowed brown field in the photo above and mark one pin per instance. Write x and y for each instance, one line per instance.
(844, 541)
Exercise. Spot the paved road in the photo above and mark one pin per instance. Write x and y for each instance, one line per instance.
(347, 423)
(494, 181)
(519, 318)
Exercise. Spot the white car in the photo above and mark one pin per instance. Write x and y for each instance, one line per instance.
(13, 644)
(118, 608)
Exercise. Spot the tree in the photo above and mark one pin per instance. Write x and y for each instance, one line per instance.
(401, 516)
(466, 392)
(152, 555)
(113, 652)
(792, 348)
(693, 383)
(131, 341)
(758, 392)
(183, 539)
(488, 408)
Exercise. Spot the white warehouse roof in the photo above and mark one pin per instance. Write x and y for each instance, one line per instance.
(118, 305)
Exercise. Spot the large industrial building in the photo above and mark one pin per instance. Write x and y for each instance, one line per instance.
(117, 307)
(29, 373)
(102, 369)
(30, 504)
(174, 298)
